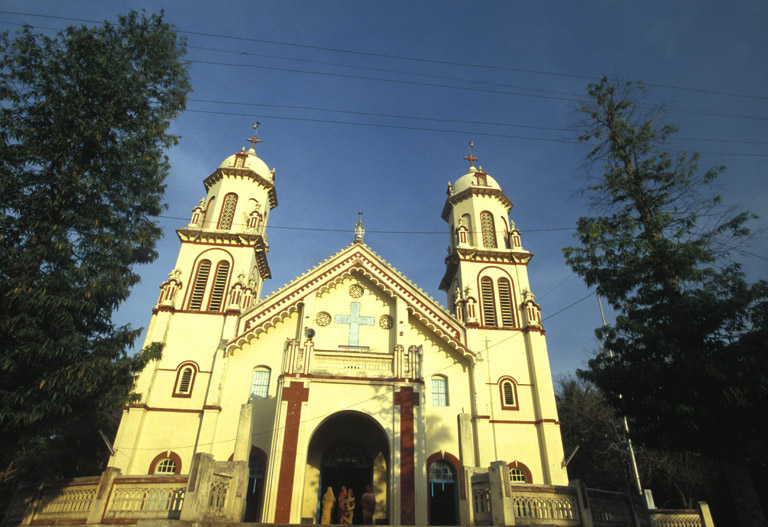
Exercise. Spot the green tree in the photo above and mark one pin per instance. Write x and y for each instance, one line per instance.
(84, 123)
(587, 421)
(689, 363)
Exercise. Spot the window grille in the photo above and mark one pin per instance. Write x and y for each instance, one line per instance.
(260, 384)
(219, 283)
(516, 475)
(166, 466)
(203, 270)
(440, 471)
(228, 212)
(489, 230)
(439, 391)
(489, 309)
(505, 297)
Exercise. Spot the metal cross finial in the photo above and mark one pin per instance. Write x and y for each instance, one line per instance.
(470, 157)
(253, 140)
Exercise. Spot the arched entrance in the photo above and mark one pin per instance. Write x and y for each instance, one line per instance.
(348, 449)
(443, 504)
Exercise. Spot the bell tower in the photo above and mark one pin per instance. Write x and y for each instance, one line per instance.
(219, 273)
(485, 272)
(486, 279)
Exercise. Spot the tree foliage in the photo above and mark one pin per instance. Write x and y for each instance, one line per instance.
(686, 357)
(83, 126)
(587, 421)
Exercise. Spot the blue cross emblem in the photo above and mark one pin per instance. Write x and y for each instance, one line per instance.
(355, 321)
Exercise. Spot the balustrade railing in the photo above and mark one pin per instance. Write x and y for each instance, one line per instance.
(676, 518)
(481, 499)
(148, 497)
(352, 364)
(535, 505)
(71, 500)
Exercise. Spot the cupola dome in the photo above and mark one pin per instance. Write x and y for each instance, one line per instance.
(249, 161)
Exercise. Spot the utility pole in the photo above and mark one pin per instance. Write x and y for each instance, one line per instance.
(630, 448)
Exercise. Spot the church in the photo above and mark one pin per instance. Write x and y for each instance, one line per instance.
(349, 375)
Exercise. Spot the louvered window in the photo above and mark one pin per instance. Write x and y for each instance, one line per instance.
(186, 379)
(489, 309)
(489, 230)
(505, 297)
(203, 270)
(509, 393)
(219, 283)
(228, 212)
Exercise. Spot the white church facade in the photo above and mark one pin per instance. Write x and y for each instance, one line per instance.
(350, 374)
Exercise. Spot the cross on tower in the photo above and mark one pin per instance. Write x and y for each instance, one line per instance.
(355, 321)
(253, 140)
(470, 157)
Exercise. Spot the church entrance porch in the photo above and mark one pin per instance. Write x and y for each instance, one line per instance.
(348, 449)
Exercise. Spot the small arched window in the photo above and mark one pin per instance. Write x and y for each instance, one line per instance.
(185, 380)
(519, 473)
(505, 298)
(467, 220)
(219, 285)
(439, 391)
(489, 305)
(260, 383)
(227, 212)
(508, 392)
(198, 290)
(166, 463)
(489, 229)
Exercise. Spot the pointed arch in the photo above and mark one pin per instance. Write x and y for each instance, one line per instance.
(467, 220)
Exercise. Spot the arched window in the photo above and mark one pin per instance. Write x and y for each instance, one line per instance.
(219, 284)
(166, 463)
(260, 383)
(201, 280)
(489, 307)
(209, 208)
(227, 212)
(508, 392)
(439, 391)
(488, 228)
(467, 219)
(185, 380)
(519, 473)
(505, 297)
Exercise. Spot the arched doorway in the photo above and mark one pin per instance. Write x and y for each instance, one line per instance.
(443, 501)
(348, 449)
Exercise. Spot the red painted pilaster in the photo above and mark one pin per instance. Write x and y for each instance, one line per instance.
(406, 399)
(294, 395)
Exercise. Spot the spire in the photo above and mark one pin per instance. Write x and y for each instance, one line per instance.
(359, 229)
(253, 140)
(470, 157)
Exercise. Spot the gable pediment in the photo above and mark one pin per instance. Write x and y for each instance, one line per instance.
(358, 262)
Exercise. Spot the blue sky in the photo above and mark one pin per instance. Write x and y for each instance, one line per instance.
(391, 93)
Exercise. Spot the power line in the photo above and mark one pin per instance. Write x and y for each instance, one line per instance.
(412, 59)
(438, 120)
(448, 131)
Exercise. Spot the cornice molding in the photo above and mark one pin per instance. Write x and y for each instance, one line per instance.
(245, 173)
(472, 192)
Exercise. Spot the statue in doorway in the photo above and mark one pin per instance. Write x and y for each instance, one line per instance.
(368, 503)
(349, 510)
(342, 504)
(328, 500)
